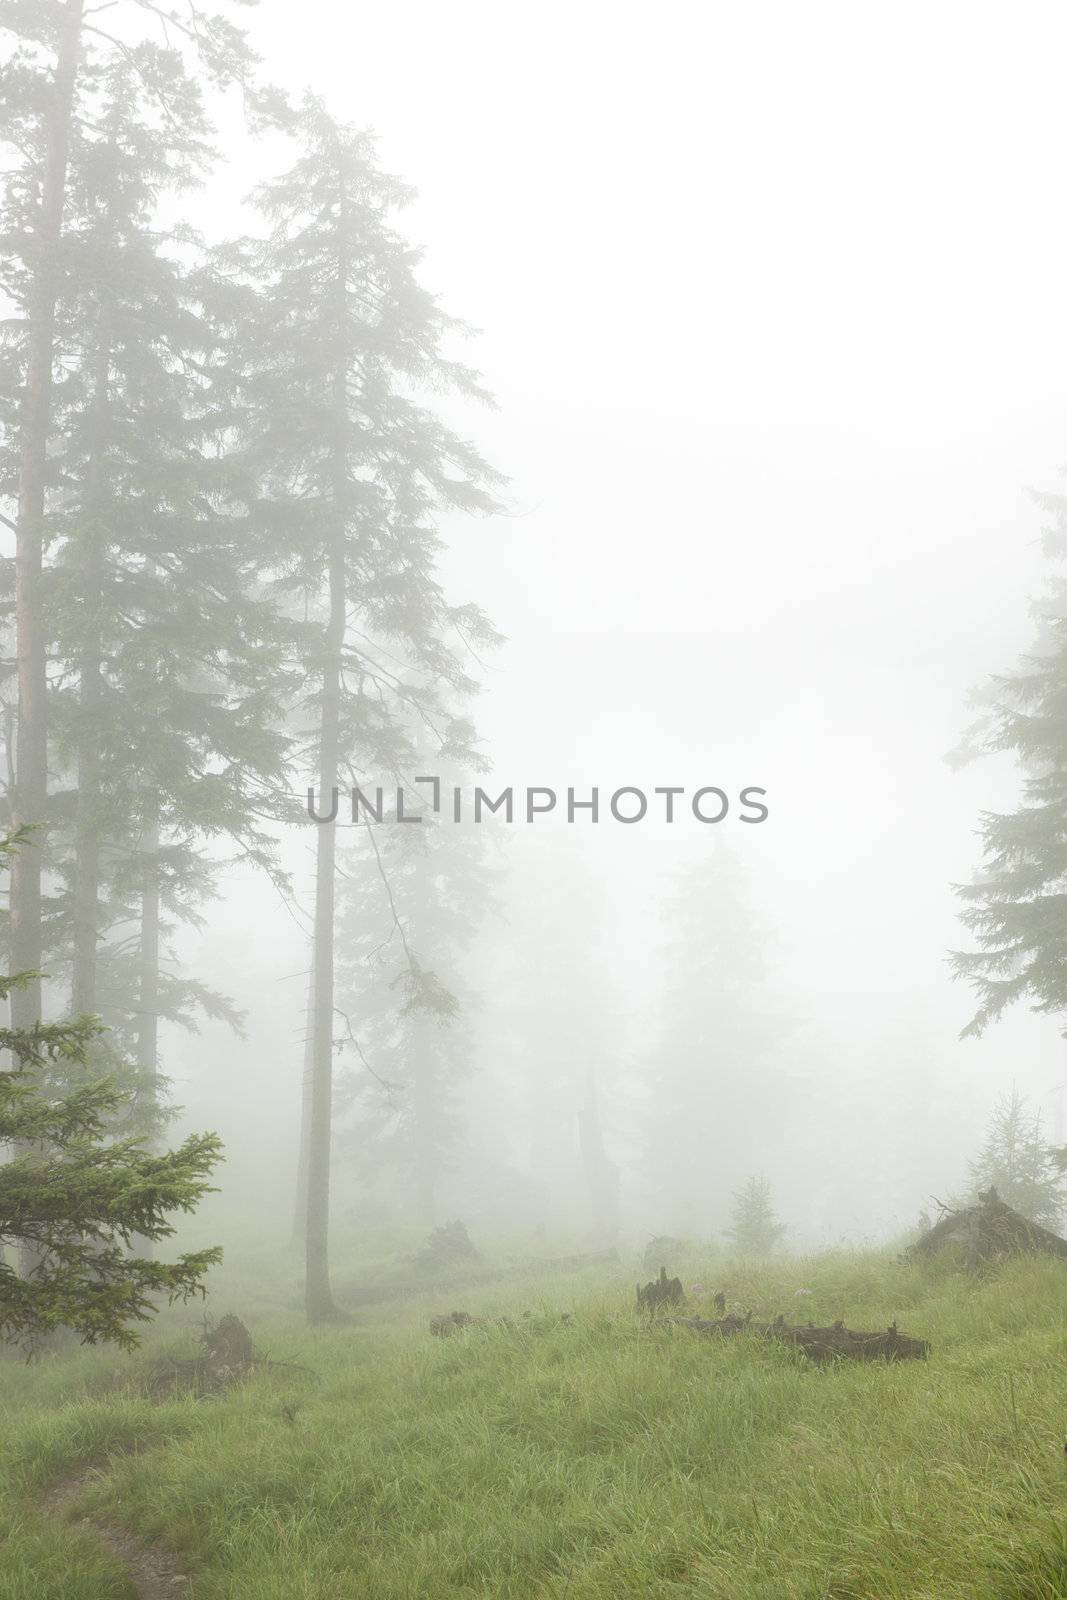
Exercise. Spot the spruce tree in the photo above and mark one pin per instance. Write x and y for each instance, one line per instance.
(355, 470)
(754, 1228)
(164, 663)
(1018, 1163)
(45, 78)
(45, 106)
(167, 714)
(78, 1199)
(1014, 908)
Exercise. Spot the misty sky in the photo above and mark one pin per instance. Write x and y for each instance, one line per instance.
(773, 305)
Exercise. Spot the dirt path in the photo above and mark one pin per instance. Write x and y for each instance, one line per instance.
(154, 1573)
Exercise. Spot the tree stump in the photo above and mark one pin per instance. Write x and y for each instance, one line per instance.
(662, 1291)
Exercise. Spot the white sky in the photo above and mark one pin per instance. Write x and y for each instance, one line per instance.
(774, 303)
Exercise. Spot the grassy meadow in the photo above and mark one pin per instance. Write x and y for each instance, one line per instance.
(589, 1459)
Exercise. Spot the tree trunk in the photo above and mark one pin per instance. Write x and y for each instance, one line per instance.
(425, 1065)
(87, 848)
(147, 1054)
(300, 1206)
(318, 1297)
(31, 786)
(90, 691)
(424, 1110)
(147, 1046)
(35, 420)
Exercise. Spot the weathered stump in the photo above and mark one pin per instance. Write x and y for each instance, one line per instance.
(662, 1291)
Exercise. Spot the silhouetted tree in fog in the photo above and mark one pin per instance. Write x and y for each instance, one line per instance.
(409, 895)
(44, 80)
(161, 706)
(711, 1099)
(355, 469)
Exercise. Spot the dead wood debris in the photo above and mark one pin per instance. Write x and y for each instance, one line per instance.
(228, 1356)
(988, 1231)
(820, 1344)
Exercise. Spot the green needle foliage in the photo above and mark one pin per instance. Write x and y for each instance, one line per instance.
(1016, 1161)
(77, 1200)
(754, 1228)
(1015, 906)
(81, 1201)
(335, 343)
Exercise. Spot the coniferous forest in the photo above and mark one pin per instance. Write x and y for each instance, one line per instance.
(533, 668)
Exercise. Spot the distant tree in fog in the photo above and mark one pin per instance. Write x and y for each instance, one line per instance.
(754, 1228)
(710, 1084)
(411, 899)
(557, 1033)
(1017, 1162)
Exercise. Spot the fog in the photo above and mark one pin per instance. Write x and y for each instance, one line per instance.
(771, 303)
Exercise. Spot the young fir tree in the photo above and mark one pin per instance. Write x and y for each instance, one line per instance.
(44, 77)
(1016, 1161)
(754, 1228)
(411, 899)
(355, 470)
(1014, 908)
(81, 1200)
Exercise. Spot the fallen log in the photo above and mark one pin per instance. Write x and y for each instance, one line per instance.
(819, 1344)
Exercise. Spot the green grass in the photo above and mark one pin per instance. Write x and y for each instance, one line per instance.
(585, 1461)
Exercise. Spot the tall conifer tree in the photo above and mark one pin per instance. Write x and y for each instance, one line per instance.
(46, 75)
(355, 471)
(1016, 907)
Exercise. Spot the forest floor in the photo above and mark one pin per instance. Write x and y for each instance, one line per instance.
(590, 1459)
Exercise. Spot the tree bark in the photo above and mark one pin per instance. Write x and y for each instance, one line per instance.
(300, 1205)
(426, 1133)
(318, 1296)
(319, 1300)
(31, 772)
(147, 1039)
(90, 693)
(147, 1054)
